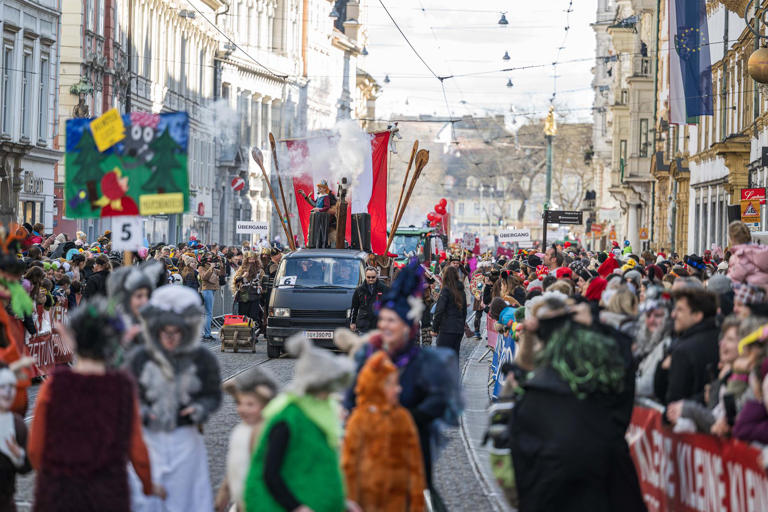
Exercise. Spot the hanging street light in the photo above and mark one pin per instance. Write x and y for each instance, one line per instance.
(506, 56)
(509, 83)
(386, 79)
(503, 19)
(364, 53)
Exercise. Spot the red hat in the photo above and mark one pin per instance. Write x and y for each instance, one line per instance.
(542, 271)
(562, 272)
(567, 245)
(615, 243)
(595, 289)
(608, 266)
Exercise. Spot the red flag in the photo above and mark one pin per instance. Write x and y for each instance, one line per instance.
(370, 185)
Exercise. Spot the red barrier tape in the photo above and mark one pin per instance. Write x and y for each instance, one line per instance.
(694, 472)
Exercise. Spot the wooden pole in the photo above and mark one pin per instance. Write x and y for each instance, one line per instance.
(259, 158)
(405, 180)
(422, 158)
(280, 184)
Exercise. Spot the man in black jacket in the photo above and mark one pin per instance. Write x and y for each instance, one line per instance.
(694, 356)
(366, 295)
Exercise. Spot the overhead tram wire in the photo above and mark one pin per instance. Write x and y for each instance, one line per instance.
(561, 48)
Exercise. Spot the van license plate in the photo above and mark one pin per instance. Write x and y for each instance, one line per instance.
(319, 335)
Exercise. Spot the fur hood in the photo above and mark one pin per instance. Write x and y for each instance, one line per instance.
(122, 282)
(370, 380)
(172, 305)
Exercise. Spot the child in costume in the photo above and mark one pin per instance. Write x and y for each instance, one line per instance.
(13, 440)
(179, 388)
(296, 465)
(252, 390)
(87, 424)
(381, 455)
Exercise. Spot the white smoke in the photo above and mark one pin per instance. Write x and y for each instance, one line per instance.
(339, 153)
(223, 121)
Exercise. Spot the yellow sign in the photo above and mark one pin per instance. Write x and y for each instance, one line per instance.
(160, 204)
(612, 235)
(750, 210)
(643, 233)
(108, 130)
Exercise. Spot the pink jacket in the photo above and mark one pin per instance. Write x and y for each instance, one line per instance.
(749, 264)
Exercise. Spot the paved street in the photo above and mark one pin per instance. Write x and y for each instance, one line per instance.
(456, 479)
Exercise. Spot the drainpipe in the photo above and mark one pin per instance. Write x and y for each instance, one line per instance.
(655, 116)
(724, 83)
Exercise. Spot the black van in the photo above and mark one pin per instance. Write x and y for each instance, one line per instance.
(312, 294)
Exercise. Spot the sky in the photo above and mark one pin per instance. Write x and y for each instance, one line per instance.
(454, 38)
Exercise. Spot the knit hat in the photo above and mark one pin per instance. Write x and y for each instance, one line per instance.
(369, 388)
(719, 284)
(317, 369)
(607, 266)
(747, 294)
(629, 265)
(601, 257)
(534, 261)
(595, 289)
(564, 272)
(404, 297)
(256, 380)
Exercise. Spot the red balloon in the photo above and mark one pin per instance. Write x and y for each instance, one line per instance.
(438, 217)
(440, 209)
(431, 216)
(443, 202)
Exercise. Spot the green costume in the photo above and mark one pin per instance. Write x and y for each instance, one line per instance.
(311, 466)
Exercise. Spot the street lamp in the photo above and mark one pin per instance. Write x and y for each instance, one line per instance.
(509, 83)
(386, 79)
(503, 19)
(506, 56)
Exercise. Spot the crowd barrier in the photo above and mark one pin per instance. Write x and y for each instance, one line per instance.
(46, 347)
(694, 472)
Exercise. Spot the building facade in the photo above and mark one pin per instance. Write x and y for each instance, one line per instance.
(30, 74)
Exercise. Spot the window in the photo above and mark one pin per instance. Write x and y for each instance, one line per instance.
(644, 137)
(7, 86)
(42, 111)
(623, 151)
(673, 137)
(225, 91)
(183, 67)
(26, 92)
(148, 52)
(89, 14)
(100, 14)
(624, 96)
(200, 78)
(477, 207)
(461, 208)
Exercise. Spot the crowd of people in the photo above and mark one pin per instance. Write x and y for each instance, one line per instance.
(593, 332)
(147, 385)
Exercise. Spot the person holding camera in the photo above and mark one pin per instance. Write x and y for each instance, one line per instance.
(211, 272)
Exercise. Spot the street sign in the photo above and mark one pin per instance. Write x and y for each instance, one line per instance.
(515, 235)
(127, 233)
(247, 227)
(564, 217)
(750, 210)
(748, 194)
(644, 234)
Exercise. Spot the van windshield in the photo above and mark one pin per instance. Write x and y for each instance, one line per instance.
(319, 272)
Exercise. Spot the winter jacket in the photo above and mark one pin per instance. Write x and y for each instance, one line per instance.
(749, 264)
(381, 456)
(96, 285)
(363, 302)
(209, 277)
(695, 357)
(752, 423)
(449, 317)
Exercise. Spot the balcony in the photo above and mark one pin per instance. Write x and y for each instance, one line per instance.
(641, 67)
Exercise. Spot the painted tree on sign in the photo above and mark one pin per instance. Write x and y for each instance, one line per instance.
(88, 162)
(164, 163)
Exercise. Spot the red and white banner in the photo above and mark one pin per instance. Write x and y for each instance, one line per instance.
(370, 184)
(46, 347)
(694, 472)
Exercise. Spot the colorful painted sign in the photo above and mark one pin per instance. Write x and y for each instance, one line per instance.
(144, 173)
(753, 193)
(644, 234)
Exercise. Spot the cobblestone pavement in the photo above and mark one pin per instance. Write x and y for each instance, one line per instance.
(454, 476)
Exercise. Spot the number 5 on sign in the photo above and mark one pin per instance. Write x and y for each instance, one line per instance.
(126, 233)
